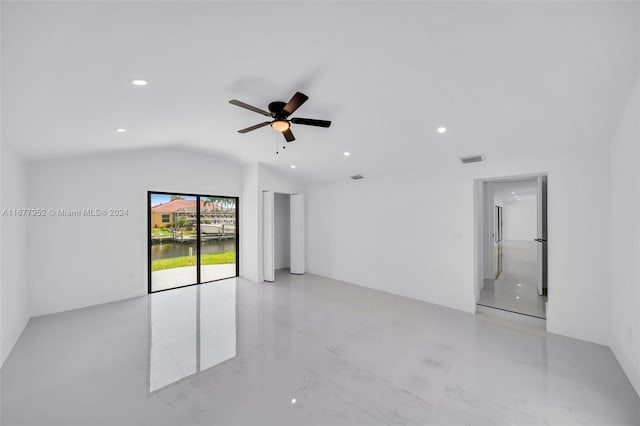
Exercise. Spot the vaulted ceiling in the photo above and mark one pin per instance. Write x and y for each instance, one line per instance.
(505, 78)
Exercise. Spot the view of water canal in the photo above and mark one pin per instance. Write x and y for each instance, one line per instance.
(169, 249)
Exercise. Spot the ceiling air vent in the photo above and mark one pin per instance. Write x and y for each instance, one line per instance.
(472, 159)
(356, 177)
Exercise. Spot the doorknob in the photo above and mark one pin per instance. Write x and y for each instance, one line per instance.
(540, 240)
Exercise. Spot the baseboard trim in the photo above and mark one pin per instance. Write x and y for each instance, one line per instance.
(625, 362)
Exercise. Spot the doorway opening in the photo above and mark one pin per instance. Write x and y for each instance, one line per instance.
(282, 234)
(511, 232)
(192, 239)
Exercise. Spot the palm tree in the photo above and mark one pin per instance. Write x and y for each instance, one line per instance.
(229, 203)
(209, 201)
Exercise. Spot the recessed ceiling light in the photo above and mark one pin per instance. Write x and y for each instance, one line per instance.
(139, 82)
(519, 285)
(442, 129)
(121, 130)
(347, 153)
(517, 297)
(293, 401)
(292, 166)
(513, 193)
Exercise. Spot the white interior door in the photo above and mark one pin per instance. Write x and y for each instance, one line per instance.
(268, 225)
(297, 233)
(541, 278)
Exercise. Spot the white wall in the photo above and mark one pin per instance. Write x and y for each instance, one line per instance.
(423, 245)
(625, 245)
(13, 267)
(479, 240)
(282, 231)
(82, 261)
(520, 220)
(405, 234)
(250, 224)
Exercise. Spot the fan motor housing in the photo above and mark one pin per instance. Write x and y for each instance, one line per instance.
(276, 108)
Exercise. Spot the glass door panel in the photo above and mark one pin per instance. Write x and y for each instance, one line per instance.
(172, 240)
(218, 235)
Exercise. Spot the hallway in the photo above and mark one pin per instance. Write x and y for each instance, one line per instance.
(515, 289)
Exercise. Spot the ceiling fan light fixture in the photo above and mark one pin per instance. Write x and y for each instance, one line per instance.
(280, 125)
(280, 113)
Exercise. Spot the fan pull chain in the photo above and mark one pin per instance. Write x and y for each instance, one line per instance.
(276, 140)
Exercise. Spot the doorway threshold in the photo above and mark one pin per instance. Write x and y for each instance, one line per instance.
(511, 319)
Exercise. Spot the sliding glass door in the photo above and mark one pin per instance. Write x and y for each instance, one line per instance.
(193, 238)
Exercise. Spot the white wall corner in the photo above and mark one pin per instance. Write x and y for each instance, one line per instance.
(626, 363)
(249, 276)
(11, 338)
(14, 292)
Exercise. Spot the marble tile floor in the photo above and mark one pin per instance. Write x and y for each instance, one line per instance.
(305, 350)
(515, 289)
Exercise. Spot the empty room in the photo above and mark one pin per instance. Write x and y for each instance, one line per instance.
(319, 213)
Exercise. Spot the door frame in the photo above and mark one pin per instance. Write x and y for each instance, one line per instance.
(296, 237)
(479, 223)
(268, 237)
(198, 242)
(541, 234)
(296, 234)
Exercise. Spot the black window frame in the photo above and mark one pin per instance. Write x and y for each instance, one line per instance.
(198, 242)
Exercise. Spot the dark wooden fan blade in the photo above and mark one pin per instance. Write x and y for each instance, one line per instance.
(311, 122)
(257, 126)
(288, 135)
(249, 107)
(295, 102)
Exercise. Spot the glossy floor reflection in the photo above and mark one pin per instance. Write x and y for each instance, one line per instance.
(303, 350)
(515, 289)
(191, 330)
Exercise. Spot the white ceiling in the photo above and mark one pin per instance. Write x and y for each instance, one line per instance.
(505, 78)
(525, 189)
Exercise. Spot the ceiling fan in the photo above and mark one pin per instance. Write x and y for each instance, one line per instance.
(280, 113)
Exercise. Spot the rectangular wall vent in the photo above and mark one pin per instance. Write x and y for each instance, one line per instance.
(356, 177)
(472, 159)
